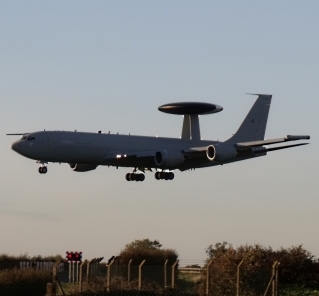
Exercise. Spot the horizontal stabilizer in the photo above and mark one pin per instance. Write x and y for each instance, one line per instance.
(16, 134)
(248, 145)
(279, 148)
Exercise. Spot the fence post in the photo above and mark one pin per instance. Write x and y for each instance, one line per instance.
(49, 289)
(88, 270)
(93, 267)
(173, 273)
(98, 265)
(275, 279)
(81, 276)
(165, 273)
(109, 275)
(208, 276)
(129, 270)
(238, 270)
(55, 276)
(70, 271)
(272, 279)
(140, 275)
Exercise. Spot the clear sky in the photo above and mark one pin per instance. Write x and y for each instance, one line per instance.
(108, 65)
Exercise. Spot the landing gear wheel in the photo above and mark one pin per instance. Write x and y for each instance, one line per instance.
(164, 175)
(134, 177)
(142, 177)
(44, 170)
(40, 170)
(170, 176)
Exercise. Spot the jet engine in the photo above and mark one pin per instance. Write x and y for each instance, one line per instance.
(221, 153)
(82, 167)
(168, 159)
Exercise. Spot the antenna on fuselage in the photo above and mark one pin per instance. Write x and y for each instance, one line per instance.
(191, 112)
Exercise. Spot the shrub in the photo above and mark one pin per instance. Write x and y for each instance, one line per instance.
(23, 282)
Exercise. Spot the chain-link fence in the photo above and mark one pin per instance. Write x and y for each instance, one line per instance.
(96, 278)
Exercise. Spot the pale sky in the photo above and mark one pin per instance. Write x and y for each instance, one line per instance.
(108, 65)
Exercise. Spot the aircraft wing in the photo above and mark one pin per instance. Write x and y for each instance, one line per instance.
(249, 145)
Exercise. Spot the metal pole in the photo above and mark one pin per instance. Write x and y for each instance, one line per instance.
(165, 273)
(129, 271)
(94, 267)
(277, 281)
(274, 268)
(140, 275)
(173, 273)
(109, 275)
(238, 269)
(55, 275)
(207, 276)
(77, 271)
(73, 263)
(81, 276)
(88, 270)
(275, 293)
(70, 271)
(271, 282)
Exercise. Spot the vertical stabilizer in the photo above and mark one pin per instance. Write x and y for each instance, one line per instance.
(253, 128)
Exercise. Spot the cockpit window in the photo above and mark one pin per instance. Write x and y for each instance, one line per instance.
(28, 137)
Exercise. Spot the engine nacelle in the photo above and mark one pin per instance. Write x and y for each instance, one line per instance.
(221, 153)
(168, 159)
(82, 167)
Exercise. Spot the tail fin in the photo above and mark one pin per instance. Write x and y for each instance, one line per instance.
(253, 128)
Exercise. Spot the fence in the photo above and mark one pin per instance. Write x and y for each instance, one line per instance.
(137, 278)
(212, 280)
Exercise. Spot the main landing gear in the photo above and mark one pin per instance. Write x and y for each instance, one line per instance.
(134, 177)
(164, 175)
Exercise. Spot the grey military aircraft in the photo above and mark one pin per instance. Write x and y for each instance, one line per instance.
(85, 151)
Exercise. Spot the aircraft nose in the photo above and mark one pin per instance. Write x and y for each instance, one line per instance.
(16, 146)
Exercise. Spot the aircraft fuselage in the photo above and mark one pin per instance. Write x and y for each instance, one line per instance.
(103, 149)
(85, 151)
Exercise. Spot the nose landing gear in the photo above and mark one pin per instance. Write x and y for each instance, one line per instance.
(164, 175)
(43, 169)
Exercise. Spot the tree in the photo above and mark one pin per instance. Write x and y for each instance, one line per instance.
(143, 244)
(148, 250)
(297, 268)
(155, 257)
